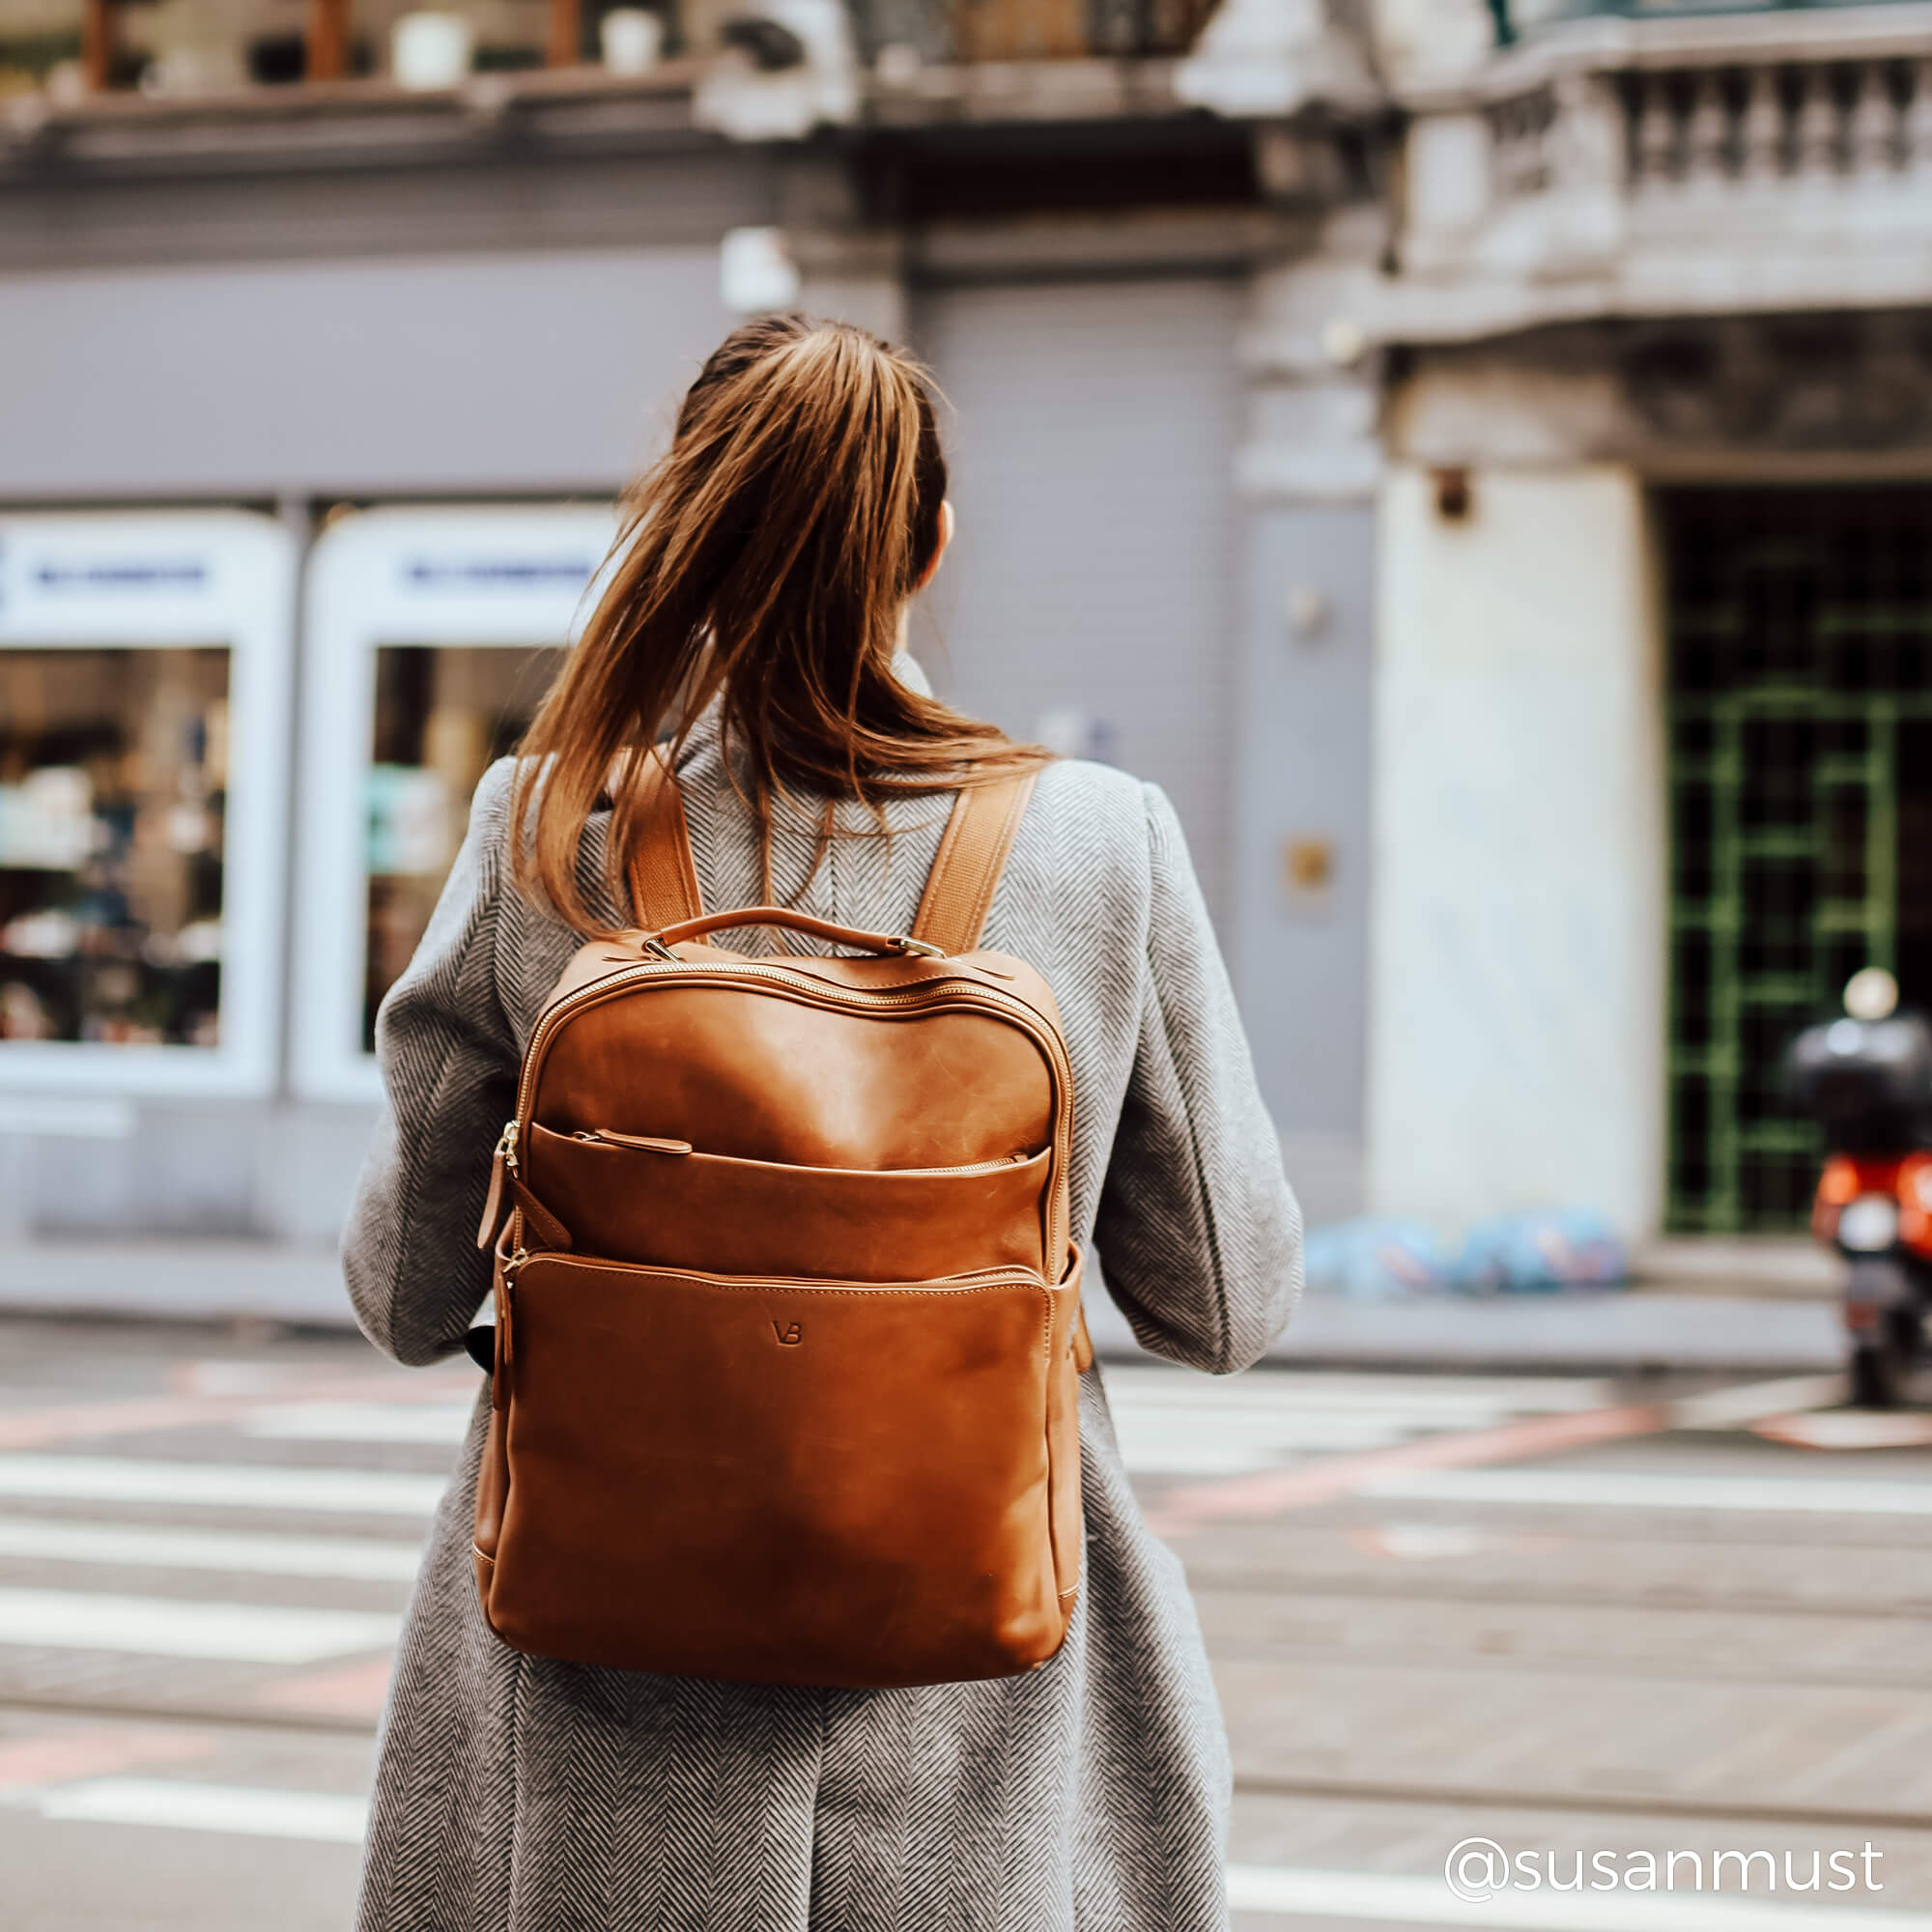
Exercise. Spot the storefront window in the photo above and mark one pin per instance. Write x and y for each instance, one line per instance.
(444, 714)
(113, 797)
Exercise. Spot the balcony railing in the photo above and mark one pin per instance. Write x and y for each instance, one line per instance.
(1777, 159)
(1826, 120)
(1712, 127)
(1516, 17)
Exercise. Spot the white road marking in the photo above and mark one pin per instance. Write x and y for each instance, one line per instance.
(1215, 1445)
(358, 1560)
(1398, 1899)
(219, 1485)
(1182, 1424)
(1734, 1408)
(359, 1422)
(170, 1627)
(248, 1810)
(1287, 1389)
(1613, 1489)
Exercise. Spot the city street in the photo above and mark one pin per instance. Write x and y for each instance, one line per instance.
(1565, 1614)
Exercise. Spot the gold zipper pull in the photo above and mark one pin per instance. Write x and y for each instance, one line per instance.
(502, 1163)
(644, 1143)
(506, 1303)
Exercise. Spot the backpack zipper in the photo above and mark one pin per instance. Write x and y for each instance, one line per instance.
(652, 1144)
(502, 1164)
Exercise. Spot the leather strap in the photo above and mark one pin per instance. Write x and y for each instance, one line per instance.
(958, 891)
(972, 854)
(664, 877)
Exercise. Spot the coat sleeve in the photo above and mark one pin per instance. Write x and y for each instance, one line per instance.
(449, 1077)
(1199, 1233)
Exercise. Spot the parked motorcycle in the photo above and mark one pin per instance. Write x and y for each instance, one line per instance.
(1867, 1079)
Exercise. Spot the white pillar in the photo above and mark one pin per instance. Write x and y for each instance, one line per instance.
(1518, 905)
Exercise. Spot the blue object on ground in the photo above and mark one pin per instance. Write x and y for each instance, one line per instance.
(1528, 1254)
(1373, 1260)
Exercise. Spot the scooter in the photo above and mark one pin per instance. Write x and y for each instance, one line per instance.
(1868, 1080)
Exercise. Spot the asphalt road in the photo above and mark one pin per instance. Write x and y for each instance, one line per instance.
(1560, 1616)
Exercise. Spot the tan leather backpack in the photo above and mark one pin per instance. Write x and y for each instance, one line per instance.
(788, 1325)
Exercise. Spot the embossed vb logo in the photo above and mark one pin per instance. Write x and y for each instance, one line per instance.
(789, 1334)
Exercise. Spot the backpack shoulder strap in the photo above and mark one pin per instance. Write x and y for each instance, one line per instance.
(972, 853)
(664, 877)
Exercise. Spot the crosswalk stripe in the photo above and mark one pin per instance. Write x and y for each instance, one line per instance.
(1401, 1898)
(170, 1627)
(1613, 1489)
(359, 1422)
(1172, 1423)
(354, 1560)
(220, 1484)
(1282, 1391)
(249, 1810)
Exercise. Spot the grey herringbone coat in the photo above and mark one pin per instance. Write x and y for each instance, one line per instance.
(516, 1792)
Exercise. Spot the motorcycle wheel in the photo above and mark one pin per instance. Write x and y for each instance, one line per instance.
(1880, 1369)
(1877, 1375)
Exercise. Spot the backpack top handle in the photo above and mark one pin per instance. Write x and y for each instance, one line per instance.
(897, 944)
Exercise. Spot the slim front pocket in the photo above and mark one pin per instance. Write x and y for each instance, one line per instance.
(685, 1209)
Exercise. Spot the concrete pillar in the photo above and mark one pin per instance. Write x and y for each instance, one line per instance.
(1517, 985)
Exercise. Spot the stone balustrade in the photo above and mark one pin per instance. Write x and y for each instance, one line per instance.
(1646, 167)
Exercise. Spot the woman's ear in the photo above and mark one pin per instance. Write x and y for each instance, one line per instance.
(939, 548)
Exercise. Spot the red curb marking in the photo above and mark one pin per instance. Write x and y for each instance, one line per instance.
(1269, 1491)
(60, 1756)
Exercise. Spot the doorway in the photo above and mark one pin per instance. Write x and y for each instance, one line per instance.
(1799, 709)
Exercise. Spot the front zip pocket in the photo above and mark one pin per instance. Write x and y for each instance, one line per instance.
(655, 1199)
(655, 1144)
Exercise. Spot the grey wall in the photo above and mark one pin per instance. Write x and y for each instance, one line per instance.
(1093, 450)
(361, 376)
(1301, 965)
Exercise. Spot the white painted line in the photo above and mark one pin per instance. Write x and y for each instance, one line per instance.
(1853, 1429)
(1281, 1389)
(1315, 1426)
(248, 1810)
(355, 1559)
(1733, 1407)
(359, 1422)
(1396, 1898)
(1275, 1432)
(219, 1485)
(170, 1627)
(1610, 1489)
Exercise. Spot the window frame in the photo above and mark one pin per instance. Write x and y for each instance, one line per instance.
(172, 580)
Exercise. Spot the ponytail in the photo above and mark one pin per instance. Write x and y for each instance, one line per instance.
(764, 561)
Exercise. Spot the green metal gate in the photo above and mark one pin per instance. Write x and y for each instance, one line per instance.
(1800, 627)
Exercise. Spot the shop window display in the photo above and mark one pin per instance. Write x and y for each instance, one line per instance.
(113, 800)
(444, 714)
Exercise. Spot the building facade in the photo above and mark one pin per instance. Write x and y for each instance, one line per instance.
(1652, 673)
(1364, 429)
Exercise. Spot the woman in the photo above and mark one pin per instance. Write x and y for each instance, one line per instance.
(755, 619)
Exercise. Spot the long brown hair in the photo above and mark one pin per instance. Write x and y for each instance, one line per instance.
(763, 561)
